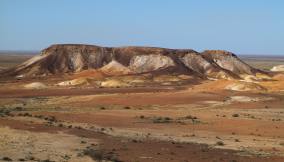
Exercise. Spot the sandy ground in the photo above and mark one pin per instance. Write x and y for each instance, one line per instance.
(25, 145)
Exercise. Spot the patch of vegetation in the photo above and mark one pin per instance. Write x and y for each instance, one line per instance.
(127, 107)
(4, 112)
(67, 157)
(162, 119)
(30, 158)
(8, 111)
(253, 117)
(39, 116)
(190, 117)
(100, 155)
(47, 160)
(78, 127)
(220, 143)
(18, 108)
(235, 115)
(27, 114)
(276, 119)
(94, 154)
(6, 159)
(193, 119)
(51, 119)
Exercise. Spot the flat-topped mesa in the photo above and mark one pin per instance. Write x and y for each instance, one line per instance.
(72, 58)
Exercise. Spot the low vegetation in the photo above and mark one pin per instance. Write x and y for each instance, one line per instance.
(99, 155)
(162, 119)
(220, 143)
(235, 115)
(165, 119)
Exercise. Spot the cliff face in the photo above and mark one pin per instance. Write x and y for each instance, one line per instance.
(151, 62)
(71, 58)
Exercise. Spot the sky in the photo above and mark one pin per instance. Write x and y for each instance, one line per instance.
(240, 26)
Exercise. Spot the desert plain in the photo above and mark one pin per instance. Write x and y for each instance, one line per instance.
(111, 114)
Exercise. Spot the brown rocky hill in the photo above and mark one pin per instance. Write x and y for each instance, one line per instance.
(72, 58)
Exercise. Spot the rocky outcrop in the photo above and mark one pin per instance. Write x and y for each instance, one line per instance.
(148, 63)
(228, 61)
(58, 59)
(197, 63)
(74, 58)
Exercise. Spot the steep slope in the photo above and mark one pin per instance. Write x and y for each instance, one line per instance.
(58, 59)
(228, 61)
(74, 58)
(200, 65)
(152, 62)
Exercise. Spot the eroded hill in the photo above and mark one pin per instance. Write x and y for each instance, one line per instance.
(73, 58)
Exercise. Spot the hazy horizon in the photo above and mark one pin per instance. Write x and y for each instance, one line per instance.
(35, 52)
(243, 27)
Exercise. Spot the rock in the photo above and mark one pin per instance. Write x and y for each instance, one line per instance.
(245, 86)
(74, 82)
(147, 63)
(115, 68)
(228, 61)
(277, 68)
(114, 83)
(35, 85)
(197, 63)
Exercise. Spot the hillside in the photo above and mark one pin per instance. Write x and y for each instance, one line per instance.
(74, 58)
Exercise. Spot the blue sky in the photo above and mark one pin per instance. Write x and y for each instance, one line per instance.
(240, 26)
